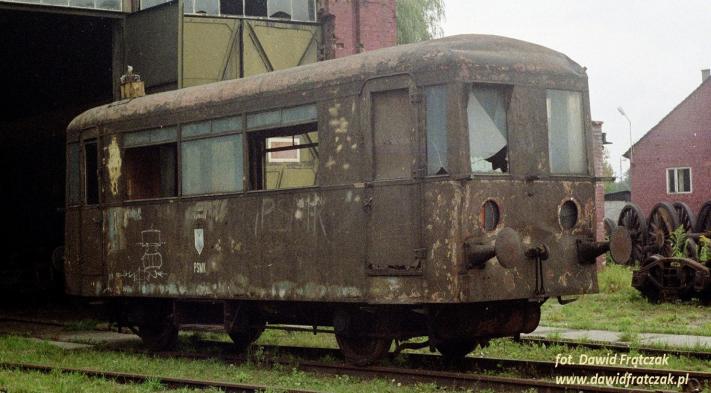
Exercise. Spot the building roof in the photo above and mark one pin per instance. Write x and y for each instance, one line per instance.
(468, 53)
(706, 84)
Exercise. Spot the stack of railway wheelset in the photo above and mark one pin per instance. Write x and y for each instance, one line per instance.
(672, 248)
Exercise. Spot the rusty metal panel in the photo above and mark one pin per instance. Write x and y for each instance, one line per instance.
(270, 46)
(151, 45)
(72, 251)
(391, 239)
(341, 142)
(211, 50)
(393, 134)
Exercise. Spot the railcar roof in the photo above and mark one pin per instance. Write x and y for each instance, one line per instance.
(470, 50)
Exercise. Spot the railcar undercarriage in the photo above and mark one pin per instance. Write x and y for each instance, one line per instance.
(365, 333)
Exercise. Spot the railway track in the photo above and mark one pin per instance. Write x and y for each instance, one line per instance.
(423, 367)
(122, 377)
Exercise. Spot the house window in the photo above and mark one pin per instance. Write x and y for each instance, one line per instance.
(678, 180)
(150, 159)
(488, 131)
(282, 149)
(566, 134)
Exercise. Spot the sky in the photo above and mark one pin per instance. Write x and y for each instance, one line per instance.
(644, 56)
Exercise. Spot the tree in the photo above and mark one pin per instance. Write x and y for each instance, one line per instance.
(607, 170)
(419, 20)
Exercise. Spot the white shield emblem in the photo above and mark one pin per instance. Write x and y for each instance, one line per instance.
(199, 240)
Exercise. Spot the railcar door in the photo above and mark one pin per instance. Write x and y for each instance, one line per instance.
(92, 271)
(393, 205)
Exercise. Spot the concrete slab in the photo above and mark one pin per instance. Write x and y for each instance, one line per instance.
(674, 340)
(96, 337)
(605, 336)
(62, 344)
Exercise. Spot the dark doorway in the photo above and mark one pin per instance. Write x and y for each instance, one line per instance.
(54, 67)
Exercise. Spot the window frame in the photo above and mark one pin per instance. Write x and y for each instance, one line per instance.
(584, 124)
(90, 140)
(176, 142)
(281, 139)
(508, 90)
(676, 180)
(78, 158)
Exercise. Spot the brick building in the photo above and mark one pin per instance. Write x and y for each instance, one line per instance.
(361, 25)
(672, 161)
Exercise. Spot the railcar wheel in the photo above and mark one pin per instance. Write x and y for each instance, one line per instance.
(662, 222)
(242, 340)
(244, 324)
(456, 349)
(363, 350)
(159, 336)
(703, 220)
(631, 217)
(686, 216)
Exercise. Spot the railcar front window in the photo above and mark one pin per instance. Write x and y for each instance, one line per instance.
(150, 159)
(436, 103)
(488, 132)
(566, 135)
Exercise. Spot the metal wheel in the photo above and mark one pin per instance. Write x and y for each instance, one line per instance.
(244, 324)
(631, 217)
(456, 349)
(363, 350)
(686, 216)
(703, 220)
(662, 222)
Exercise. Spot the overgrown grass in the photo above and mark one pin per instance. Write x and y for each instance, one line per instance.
(19, 349)
(620, 307)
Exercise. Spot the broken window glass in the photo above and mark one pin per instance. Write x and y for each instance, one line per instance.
(212, 165)
(436, 103)
(285, 157)
(207, 7)
(280, 9)
(232, 7)
(566, 135)
(304, 10)
(152, 3)
(255, 7)
(73, 175)
(488, 133)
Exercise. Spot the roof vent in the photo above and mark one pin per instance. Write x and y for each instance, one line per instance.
(131, 85)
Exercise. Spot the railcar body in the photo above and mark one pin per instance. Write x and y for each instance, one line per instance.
(439, 189)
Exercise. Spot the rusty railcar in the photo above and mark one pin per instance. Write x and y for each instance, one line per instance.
(439, 189)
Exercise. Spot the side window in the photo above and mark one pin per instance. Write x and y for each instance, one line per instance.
(436, 104)
(566, 135)
(283, 153)
(393, 134)
(91, 172)
(73, 174)
(214, 164)
(487, 108)
(150, 162)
